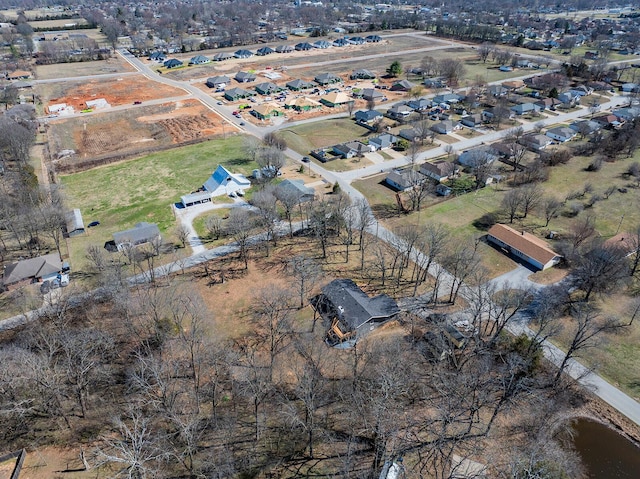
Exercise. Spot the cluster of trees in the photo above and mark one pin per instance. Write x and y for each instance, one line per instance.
(451, 69)
(158, 391)
(31, 215)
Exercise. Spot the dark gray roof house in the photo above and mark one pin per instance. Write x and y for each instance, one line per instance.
(140, 234)
(295, 188)
(366, 116)
(215, 82)
(326, 79)
(245, 77)
(172, 63)
(265, 51)
(243, 54)
(346, 309)
(284, 49)
(373, 38)
(267, 88)
(304, 46)
(420, 104)
(40, 268)
(219, 57)
(372, 94)
(299, 84)
(403, 180)
(199, 60)
(362, 74)
(386, 140)
(402, 85)
(234, 94)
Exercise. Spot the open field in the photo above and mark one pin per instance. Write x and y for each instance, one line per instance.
(57, 23)
(114, 134)
(321, 134)
(70, 70)
(123, 194)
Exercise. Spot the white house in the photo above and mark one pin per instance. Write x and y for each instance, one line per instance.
(561, 133)
(223, 182)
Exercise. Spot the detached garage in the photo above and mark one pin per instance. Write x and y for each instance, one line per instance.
(524, 245)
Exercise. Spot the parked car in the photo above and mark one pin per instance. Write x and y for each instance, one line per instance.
(93, 223)
(305, 159)
(137, 102)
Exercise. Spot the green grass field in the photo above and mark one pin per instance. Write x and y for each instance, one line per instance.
(306, 137)
(123, 194)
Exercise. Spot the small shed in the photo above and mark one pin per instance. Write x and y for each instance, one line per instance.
(74, 223)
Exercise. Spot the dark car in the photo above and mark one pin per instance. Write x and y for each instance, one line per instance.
(137, 102)
(93, 223)
(305, 159)
(45, 287)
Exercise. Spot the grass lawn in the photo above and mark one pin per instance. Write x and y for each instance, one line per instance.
(62, 70)
(123, 194)
(321, 134)
(199, 222)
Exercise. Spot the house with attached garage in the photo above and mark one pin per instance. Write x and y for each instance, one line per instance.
(402, 85)
(172, 63)
(243, 54)
(267, 88)
(335, 98)
(220, 57)
(478, 156)
(535, 142)
(141, 233)
(158, 57)
(265, 51)
(525, 108)
(449, 98)
(533, 250)
(284, 49)
(561, 133)
(327, 79)
(400, 111)
(199, 60)
(367, 116)
(403, 180)
(304, 46)
(362, 74)
(349, 313)
(386, 140)
(302, 104)
(296, 189)
(298, 84)
(245, 77)
(472, 121)
(372, 94)
(234, 94)
(41, 268)
(266, 111)
(439, 170)
(351, 149)
(218, 82)
(420, 104)
(223, 182)
(443, 127)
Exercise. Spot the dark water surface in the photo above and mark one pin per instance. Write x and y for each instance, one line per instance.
(605, 453)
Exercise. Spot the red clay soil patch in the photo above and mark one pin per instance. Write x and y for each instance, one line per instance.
(117, 92)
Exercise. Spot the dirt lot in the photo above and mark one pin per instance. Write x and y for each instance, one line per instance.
(132, 131)
(120, 91)
(66, 70)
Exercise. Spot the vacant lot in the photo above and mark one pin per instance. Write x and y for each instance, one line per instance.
(70, 70)
(123, 194)
(115, 134)
(321, 134)
(57, 23)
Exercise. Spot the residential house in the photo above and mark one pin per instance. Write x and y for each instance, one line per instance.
(371, 94)
(302, 104)
(569, 98)
(220, 57)
(627, 243)
(449, 98)
(402, 85)
(243, 54)
(298, 84)
(362, 74)
(335, 98)
(199, 60)
(443, 190)
(41, 268)
(535, 141)
(548, 104)
(513, 85)
(223, 182)
(159, 57)
(295, 188)
(19, 75)
(373, 38)
(386, 140)
(497, 90)
(351, 149)
(284, 49)
(73, 222)
(400, 111)
(267, 88)
(478, 156)
(472, 121)
(409, 134)
(525, 108)
(140, 234)
(172, 63)
(561, 133)
(490, 114)
(218, 82)
(367, 116)
(585, 127)
(434, 83)
(245, 77)
(627, 114)
(349, 312)
(443, 127)
(261, 52)
(439, 170)
(266, 111)
(403, 180)
(303, 47)
(235, 94)
(525, 246)
(327, 79)
(420, 104)
(341, 42)
(322, 44)
(608, 121)
(357, 41)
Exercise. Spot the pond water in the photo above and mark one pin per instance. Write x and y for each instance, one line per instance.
(605, 453)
